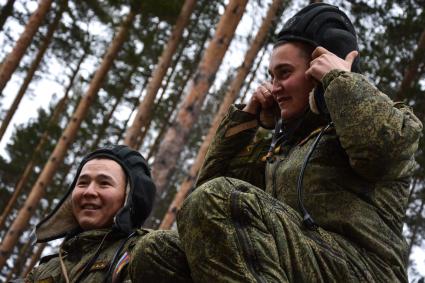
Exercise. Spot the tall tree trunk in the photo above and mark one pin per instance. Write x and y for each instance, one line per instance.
(19, 262)
(34, 66)
(144, 109)
(253, 74)
(30, 165)
(34, 259)
(177, 134)
(6, 11)
(259, 40)
(63, 144)
(411, 71)
(12, 60)
(154, 147)
(44, 138)
(23, 254)
(176, 100)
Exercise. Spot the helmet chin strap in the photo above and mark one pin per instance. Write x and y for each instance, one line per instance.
(281, 135)
(307, 219)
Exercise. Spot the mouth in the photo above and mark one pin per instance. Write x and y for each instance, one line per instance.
(283, 99)
(90, 206)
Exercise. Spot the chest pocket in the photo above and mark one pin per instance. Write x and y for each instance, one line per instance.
(328, 150)
(48, 270)
(97, 271)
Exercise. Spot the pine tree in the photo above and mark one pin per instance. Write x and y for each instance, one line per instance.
(265, 29)
(24, 178)
(59, 152)
(143, 112)
(178, 133)
(32, 69)
(12, 60)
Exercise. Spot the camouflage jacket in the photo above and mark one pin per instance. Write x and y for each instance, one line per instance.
(77, 252)
(356, 183)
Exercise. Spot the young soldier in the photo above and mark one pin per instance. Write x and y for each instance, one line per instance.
(336, 178)
(100, 216)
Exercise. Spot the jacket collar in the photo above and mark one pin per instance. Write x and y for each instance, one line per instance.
(301, 128)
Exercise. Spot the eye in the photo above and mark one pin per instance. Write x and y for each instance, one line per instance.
(82, 183)
(283, 73)
(105, 184)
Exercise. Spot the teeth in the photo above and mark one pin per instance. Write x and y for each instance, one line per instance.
(89, 206)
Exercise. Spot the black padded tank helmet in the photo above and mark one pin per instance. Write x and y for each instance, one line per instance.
(325, 25)
(138, 203)
(321, 24)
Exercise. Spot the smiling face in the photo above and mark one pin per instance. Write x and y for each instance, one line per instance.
(98, 193)
(291, 87)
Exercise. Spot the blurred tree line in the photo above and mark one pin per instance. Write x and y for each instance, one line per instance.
(156, 75)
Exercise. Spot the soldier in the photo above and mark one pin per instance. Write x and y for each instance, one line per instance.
(330, 195)
(100, 216)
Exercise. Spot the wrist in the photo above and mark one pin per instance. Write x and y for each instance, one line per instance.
(250, 108)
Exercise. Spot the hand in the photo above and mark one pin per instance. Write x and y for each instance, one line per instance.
(323, 61)
(262, 97)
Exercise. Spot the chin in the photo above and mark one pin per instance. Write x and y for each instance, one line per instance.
(285, 115)
(89, 225)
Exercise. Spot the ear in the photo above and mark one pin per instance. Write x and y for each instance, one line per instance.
(312, 102)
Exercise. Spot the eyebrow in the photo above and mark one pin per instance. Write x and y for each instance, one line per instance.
(99, 176)
(280, 66)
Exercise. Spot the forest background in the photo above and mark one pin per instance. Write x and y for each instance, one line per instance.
(158, 76)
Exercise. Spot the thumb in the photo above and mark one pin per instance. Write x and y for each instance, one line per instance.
(351, 56)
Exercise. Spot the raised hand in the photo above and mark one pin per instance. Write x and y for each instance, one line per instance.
(262, 97)
(323, 61)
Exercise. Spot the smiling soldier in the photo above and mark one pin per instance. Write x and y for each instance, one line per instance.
(327, 202)
(100, 218)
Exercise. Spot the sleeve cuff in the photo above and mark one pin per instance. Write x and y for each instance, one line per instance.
(237, 115)
(330, 76)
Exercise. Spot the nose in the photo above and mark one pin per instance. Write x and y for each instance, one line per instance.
(276, 86)
(90, 191)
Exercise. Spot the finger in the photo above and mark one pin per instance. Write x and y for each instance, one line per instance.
(265, 98)
(258, 95)
(268, 85)
(319, 51)
(265, 91)
(314, 73)
(314, 61)
(308, 73)
(351, 56)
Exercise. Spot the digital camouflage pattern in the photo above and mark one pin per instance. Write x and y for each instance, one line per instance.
(356, 186)
(159, 258)
(166, 256)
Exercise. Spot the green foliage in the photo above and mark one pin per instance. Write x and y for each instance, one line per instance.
(165, 10)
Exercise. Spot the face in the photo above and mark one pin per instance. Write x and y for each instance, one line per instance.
(98, 194)
(291, 87)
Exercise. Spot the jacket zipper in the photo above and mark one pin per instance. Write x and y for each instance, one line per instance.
(243, 237)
